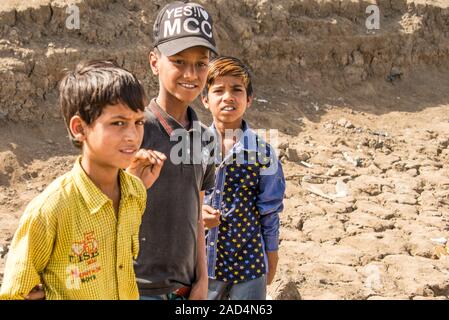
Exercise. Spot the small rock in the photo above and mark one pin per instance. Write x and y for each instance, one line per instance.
(412, 172)
(281, 154)
(443, 143)
(3, 250)
(375, 143)
(292, 155)
(284, 290)
(370, 185)
(304, 156)
(336, 172)
(380, 133)
(328, 125)
(283, 146)
(409, 199)
(345, 123)
(373, 169)
(12, 145)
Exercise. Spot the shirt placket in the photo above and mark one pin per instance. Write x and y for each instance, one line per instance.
(120, 255)
(212, 236)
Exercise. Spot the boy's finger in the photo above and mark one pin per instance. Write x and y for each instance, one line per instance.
(207, 216)
(208, 207)
(151, 157)
(160, 155)
(141, 154)
(154, 157)
(210, 210)
(157, 168)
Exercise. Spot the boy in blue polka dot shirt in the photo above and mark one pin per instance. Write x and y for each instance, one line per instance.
(241, 213)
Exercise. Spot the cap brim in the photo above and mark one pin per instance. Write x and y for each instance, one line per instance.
(177, 45)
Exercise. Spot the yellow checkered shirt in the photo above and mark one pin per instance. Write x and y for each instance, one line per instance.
(70, 240)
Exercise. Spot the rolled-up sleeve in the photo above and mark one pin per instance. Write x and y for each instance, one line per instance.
(270, 204)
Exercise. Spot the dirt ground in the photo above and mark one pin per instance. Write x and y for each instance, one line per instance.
(366, 159)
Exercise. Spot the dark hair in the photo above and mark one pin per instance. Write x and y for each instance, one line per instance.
(157, 52)
(94, 85)
(228, 66)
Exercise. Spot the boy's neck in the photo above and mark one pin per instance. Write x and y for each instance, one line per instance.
(227, 143)
(174, 107)
(222, 127)
(106, 179)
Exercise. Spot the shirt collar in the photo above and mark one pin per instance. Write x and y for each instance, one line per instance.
(94, 198)
(171, 122)
(247, 142)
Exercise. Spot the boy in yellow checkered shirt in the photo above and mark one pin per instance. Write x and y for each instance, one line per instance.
(79, 237)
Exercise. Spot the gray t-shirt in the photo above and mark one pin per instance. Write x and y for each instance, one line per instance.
(168, 233)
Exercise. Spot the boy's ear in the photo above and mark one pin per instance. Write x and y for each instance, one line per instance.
(250, 101)
(77, 128)
(153, 59)
(205, 101)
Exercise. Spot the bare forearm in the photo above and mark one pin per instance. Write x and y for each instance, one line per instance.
(201, 263)
(199, 288)
(273, 259)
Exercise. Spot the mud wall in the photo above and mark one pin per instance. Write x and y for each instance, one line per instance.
(287, 42)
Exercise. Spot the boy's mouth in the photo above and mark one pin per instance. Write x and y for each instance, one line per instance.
(228, 108)
(128, 151)
(188, 85)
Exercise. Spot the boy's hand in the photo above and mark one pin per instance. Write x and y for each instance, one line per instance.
(199, 290)
(37, 293)
(211, 217)
(147, 165)
(273, 259)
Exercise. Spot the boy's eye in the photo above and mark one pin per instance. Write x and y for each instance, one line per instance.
(118, 123)
(202, 65)
(140, 122)
(178, 61)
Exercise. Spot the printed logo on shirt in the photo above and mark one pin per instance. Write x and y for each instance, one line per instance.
(84, 250)
(75, 277)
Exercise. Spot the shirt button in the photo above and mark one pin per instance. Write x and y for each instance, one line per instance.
(120, 267)
(211, 243)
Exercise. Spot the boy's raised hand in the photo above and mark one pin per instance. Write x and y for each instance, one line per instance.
(147, 165)
(211, 217)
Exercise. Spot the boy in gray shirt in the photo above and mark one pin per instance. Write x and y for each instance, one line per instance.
(172, 261)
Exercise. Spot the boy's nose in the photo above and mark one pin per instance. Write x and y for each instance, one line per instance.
(227, 96)
(190, 72)
(132, 134)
